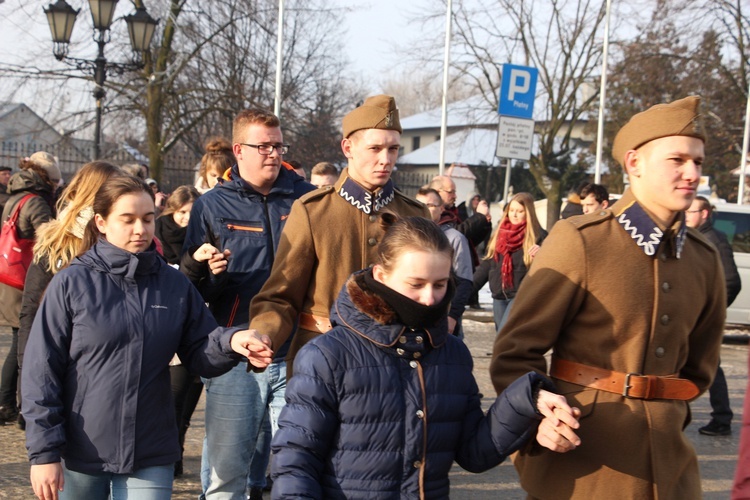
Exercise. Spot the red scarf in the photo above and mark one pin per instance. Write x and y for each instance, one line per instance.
(509, 239)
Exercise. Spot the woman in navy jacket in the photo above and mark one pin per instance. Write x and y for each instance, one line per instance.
(381, 406)
(96, 383)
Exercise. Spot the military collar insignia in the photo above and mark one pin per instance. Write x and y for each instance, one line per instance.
(369, 202)
(647, 234)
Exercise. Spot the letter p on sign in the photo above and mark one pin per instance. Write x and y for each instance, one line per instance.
(519, 82)
(517, 91)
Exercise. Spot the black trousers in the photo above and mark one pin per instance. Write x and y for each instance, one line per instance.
(718, 395)
(9, 397)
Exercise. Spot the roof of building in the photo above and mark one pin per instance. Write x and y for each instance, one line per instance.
(470, 146)
(475, 111)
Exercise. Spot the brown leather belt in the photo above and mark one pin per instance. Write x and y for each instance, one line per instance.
(629, 385)
(314, 323)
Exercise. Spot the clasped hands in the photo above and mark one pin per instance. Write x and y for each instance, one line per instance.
(556, 431)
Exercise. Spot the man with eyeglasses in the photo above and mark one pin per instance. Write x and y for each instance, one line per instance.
(231, 241)
(334, 231)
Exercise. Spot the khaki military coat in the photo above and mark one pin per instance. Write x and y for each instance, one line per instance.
(595, 297)
(324, 241)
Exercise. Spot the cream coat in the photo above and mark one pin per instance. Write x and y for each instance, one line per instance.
(594, 297)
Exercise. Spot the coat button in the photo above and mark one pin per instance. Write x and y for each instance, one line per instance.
(417, 464)
(372, 242)
(666, 287)
(420, 414)
(402, 340)
(400, 351)
(419, 339)
(664, 319)
(413, 364)
(660, 352)
(417, 355)
(373, 218)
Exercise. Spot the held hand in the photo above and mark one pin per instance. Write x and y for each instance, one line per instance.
(556, 408)
(533, 251)
(254, 346)
(558, 437)
(47, 480)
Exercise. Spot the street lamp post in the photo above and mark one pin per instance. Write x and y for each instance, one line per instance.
(141, 27)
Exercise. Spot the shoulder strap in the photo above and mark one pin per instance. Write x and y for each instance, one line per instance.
(17, 209)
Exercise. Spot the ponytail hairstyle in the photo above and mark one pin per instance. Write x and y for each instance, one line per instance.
(219, 158)
(61, 239)
(409, 233)
(179, 198)
(533, 228)
(111, 191)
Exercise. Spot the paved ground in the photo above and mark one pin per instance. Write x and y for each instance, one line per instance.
(717, 455)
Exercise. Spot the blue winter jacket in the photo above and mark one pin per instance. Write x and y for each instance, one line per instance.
(96, 386)
(376, 410)
(235, 216)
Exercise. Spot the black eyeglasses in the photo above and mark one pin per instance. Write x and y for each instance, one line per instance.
(267, 149)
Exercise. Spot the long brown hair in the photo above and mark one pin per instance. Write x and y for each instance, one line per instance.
(61, 239)
(111, 191)
(533, 228)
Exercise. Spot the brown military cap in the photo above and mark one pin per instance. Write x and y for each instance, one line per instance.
(663, 120)
(378, 111)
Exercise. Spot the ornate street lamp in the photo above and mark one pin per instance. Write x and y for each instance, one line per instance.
(141, 27)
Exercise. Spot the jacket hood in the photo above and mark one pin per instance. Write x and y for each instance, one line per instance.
(27, 180)
(285, 183)
(107, 258)
(370, 316)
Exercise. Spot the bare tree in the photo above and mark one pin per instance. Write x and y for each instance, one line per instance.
(562, 39)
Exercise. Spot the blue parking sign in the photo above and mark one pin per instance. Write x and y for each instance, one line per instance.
(517, 91)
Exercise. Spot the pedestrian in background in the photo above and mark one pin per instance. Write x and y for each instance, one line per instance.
(699, 216)
(509, 254)
(38, 178)
(218, 158)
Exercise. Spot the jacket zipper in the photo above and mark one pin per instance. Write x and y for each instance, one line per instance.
(237, 227)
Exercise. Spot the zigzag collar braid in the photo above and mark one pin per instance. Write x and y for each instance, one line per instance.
(366, 201)
(647, 234)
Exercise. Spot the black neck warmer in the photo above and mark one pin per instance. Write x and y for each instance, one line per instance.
(411, 313)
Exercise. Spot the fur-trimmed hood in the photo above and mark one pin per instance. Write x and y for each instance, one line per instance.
(367, 314)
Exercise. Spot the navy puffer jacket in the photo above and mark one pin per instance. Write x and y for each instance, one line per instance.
(96, 387)
(376, 410)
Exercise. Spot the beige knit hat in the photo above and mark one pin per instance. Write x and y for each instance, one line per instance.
(662, 120)
(378, 111)
(48, 163)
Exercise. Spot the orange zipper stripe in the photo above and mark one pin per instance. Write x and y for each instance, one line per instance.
(245, 228)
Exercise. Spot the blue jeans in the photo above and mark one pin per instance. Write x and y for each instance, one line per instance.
(151, 483)
(236, 406)
(500, 311)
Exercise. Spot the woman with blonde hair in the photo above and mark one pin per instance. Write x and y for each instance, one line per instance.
(218, 159)
(59, 241)
(509, 254)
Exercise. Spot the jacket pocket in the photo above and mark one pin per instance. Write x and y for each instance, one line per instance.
(234, 228)
(579, 397)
